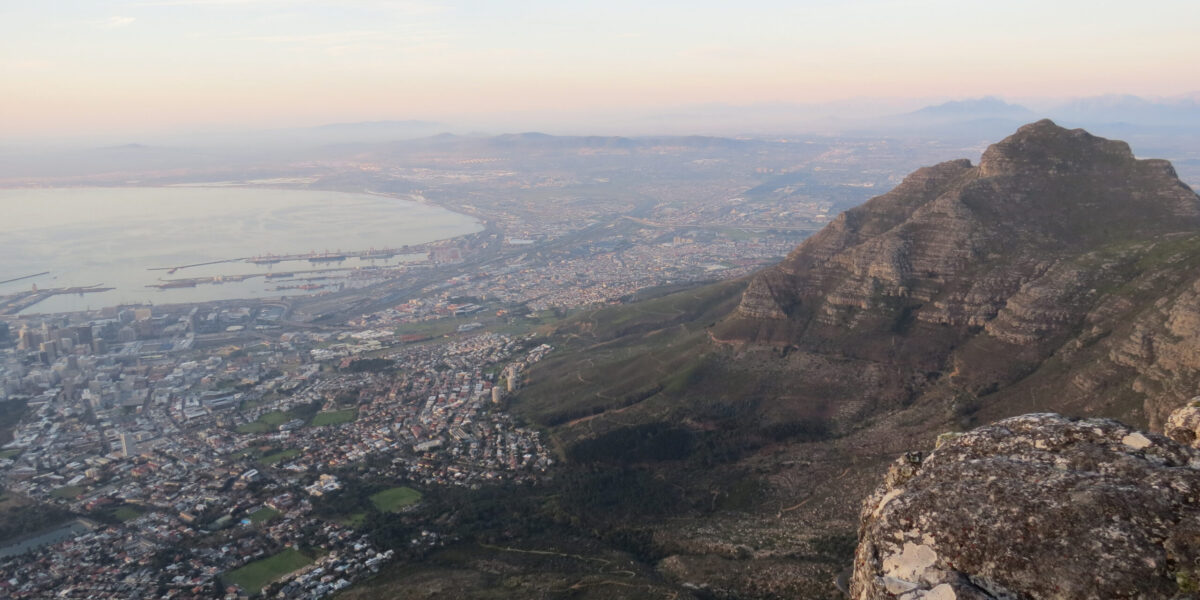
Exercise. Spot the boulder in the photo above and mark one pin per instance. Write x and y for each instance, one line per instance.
(1035, 507)
(1183, 425)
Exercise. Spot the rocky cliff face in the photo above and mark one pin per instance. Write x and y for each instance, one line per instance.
(1037, 506)
(1060, 249)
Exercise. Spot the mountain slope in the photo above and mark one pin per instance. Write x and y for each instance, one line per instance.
(1060, 274)
(985, 272)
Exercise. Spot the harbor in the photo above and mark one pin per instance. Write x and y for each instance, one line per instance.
(188, 282)
(311, 257)
(225, 241)
(13, 304)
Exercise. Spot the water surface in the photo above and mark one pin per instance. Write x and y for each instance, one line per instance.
(113, 236)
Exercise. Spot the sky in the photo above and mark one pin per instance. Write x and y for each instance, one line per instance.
(97, 67)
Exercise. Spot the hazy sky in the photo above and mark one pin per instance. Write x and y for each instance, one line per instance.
(93, 66)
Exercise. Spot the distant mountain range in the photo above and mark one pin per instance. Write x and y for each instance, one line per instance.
(1167, 127)
(1130, 112)
(981, 108)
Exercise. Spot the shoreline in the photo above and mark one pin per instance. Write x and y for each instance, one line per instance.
(395, 254)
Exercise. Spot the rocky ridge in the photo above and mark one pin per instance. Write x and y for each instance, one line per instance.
(1037, 506)
(1060, 250)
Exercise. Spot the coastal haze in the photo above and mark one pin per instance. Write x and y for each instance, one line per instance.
(401, 299)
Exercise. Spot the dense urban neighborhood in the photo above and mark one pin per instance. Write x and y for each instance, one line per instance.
(189, 464)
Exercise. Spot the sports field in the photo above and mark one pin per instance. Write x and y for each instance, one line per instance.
(281, 456)
(263, 514)
(254, 576)
(335, 417)
(394, 499)
(266, 422)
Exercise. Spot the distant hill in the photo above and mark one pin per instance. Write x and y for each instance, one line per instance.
(1130, 110)
(976, 118)
(981, 108)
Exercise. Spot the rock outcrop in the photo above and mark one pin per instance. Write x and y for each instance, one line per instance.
(1183, 425)
(1035, 507)
(1060, 248)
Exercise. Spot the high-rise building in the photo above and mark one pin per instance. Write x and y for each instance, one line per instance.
(28, 339)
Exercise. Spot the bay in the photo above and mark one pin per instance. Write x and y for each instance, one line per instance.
(114, 236)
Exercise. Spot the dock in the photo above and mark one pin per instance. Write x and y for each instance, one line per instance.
(189, 282)
(16, 303)
(211, 262)
(313, 257)
(338, 256)
(25, 277)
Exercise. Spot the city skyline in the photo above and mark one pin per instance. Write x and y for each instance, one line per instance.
(160, 66)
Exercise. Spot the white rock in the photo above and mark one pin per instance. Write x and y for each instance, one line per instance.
(1136, 440)
(910, 564)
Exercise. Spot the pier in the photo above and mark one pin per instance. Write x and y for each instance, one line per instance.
(338, 256)
(25, 277)
(312, 257)
(189, 282)
(16, 303)
(211, 262)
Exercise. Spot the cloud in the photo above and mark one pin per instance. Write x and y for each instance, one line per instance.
(115, 22)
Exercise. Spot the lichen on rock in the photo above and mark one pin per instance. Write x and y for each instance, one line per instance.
(1183, 425)
(1035, 507)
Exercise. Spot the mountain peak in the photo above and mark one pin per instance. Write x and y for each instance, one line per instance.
(960, 259)
(1047, 148)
